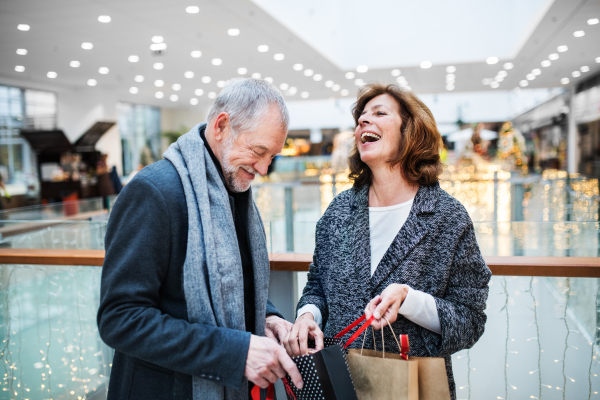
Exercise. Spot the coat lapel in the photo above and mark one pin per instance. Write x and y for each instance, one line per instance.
(411, 233)
(359, 238)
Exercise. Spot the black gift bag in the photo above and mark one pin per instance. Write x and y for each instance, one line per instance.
(326, 374)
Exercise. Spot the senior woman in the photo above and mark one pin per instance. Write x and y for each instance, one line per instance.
(396, 244)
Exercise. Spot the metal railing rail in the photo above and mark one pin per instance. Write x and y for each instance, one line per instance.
(578, 267)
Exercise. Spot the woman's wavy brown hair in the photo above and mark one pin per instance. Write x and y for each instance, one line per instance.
(420, 141)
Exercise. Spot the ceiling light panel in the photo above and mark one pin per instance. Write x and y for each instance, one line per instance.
(23, 27)
(233, 32)
(192, 9)
(105, 19)
(75, 64)
(22, 52)
(196, 54)
(87, 46)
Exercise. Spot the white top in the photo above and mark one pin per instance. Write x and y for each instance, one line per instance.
(384, 224)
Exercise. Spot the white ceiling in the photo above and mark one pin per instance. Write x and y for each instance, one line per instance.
(511, 30)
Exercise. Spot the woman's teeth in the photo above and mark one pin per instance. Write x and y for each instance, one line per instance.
(369, 137)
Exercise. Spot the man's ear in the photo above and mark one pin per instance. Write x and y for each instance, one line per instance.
(221, 126)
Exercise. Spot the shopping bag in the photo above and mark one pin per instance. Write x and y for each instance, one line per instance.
(433, 378)
(384, 376)
(325, 374)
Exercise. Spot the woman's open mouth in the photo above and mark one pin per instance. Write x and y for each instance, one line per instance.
(369, 137)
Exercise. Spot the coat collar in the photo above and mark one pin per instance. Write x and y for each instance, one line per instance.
(413, 230)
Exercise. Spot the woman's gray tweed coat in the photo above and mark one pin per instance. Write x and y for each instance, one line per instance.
(435, 252)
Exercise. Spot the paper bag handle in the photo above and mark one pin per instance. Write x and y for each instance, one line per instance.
(356, 334)
(404, 348)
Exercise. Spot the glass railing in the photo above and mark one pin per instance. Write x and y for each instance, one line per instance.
(83, 208)
(53, 234)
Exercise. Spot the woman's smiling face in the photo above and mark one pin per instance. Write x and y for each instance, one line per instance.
(378, 132)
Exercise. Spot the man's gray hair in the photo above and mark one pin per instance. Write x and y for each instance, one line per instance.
(247, 101)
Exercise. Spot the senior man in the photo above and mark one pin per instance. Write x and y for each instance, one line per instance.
(185, 280)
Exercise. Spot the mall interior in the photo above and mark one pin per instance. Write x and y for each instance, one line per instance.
(93, 91)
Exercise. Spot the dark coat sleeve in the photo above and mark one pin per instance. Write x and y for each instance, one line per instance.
(313, 292)
(461, 309)
(272, 310)
(138, 254)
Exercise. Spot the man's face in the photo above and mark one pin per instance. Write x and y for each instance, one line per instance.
(251, 153)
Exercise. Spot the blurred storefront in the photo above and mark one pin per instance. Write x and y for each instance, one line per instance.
(586, 112)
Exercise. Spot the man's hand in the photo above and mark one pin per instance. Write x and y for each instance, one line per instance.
(277, 328)
(267, 362)
(386, 304)
(296, 342)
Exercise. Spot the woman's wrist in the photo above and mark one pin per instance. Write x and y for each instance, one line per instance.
(306, 315)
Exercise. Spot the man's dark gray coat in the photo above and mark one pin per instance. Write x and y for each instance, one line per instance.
(143, 313)
(435, 252)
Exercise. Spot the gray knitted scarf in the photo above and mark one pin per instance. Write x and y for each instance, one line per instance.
(213, 277)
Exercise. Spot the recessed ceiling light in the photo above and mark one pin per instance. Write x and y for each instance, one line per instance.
(494, 85)
(158, 47)
(344, 92)
(318, 77)
(256, 75)
(530, 77)
(159, 95)
(502, 73)
(23, 27)
(401, 80)
(546, 63)
(158, 66)
(553, 56)
(562, 49)
(579, 33)
(329, 83)
(564, 81)
(216, 61)
(105, 19)
(194, 101)
(450, 69)
(263, 48)
(139, 78)
(450, 77)
(188, 74)
(426, 64)
(536, 71)
(359, 82)
(298, 67)
(133, 90)
(449, 87)
(92, 82)
(491, 60)
(395, 72)
(221, 84)
(523, 83)
(87, 46)
(598, 59)
(350, 75)
(308, 72)
(336, 88)
(487, 81)
(21, 52)
(242, 71)
(192, 9)
(575, 74)
(157, 39)
(593, 21)
(499, 78)
(278, 57)
(508, 65)
(159, 83)
(51, 74)
(292, 91)
(585, 68)
(304, 95)
(362, 68)
(133, 59)
(176, 87)
(173, 97)
(196, 54)
(269, 79)
(233, 32)
(103, 70)
(212, 95)
(198, 92)
(205, 79)
(284, 86)
(20, 68)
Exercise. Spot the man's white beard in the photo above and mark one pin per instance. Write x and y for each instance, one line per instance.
(234, 182)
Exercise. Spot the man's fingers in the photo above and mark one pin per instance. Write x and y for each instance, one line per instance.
(286, 343)
(269, 334)
(289, 366)
(318, 335)
(293, 341)
(281, 332)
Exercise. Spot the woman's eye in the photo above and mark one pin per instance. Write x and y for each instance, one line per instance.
(381, 113)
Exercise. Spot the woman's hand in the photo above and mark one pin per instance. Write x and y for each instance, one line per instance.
(296, 341)
(386, 304)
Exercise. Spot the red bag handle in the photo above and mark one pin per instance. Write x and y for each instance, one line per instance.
(358, 332)
(255, 392)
